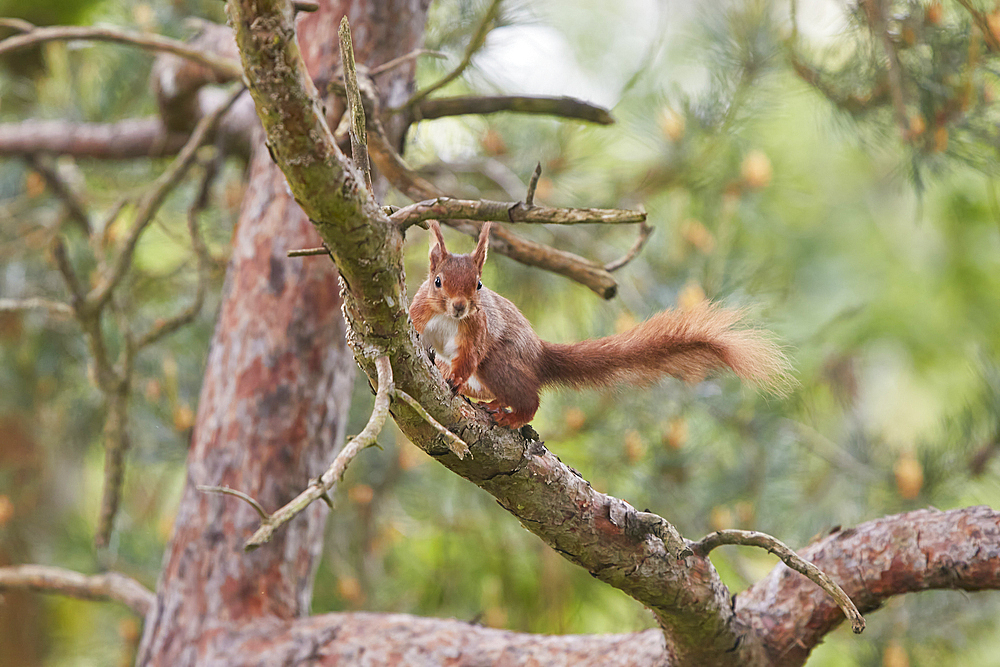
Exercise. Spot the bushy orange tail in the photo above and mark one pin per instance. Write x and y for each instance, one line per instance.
(687, 343)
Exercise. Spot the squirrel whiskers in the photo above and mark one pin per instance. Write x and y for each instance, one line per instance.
(488, 351)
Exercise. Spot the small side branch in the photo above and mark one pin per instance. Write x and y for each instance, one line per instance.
(457, 446)
(446, 208)
(359, 136)
(108, 586)
(753, 538)
(321, 486)
(227, 69)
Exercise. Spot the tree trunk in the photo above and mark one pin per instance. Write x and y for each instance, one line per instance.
(275, 394)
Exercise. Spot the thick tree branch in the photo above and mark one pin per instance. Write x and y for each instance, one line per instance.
(108, 586)
(134, 138)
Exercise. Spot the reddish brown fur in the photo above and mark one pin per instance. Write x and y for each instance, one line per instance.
(495, 343)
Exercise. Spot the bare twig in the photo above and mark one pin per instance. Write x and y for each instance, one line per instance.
(446, 208)
(308, 252)
(563, 107)
(477, 40)
(645, 231)
(36, 303)
(322, 485)
(753, 538)
(457, 446)
(228, 69)
(108, 586)
(356, 109)
(305, 6)
(225, 490)
(74, 207)
(529, 199)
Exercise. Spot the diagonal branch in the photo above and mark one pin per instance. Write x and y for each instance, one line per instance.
(108, 586)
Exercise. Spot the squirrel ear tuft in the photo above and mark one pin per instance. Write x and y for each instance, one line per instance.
(479, 254)
(437, 249)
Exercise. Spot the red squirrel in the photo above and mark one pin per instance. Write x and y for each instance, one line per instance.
(488, 351)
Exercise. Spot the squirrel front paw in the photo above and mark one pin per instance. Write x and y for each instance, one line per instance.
(456, 384)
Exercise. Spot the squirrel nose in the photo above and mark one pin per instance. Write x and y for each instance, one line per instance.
(458, 307)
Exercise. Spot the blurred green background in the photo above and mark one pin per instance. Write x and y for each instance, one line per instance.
(869, 246)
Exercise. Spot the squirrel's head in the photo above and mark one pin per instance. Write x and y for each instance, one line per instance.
(455, 279)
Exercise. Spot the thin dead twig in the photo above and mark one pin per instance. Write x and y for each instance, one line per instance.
(108, 586)
(788, 557)
(320, 487)
(225, 490)
(457, 446)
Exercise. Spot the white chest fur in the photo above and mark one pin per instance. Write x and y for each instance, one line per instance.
(441, 333)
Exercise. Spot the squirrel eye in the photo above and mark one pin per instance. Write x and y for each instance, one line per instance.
(479, 285)
(437, 282)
